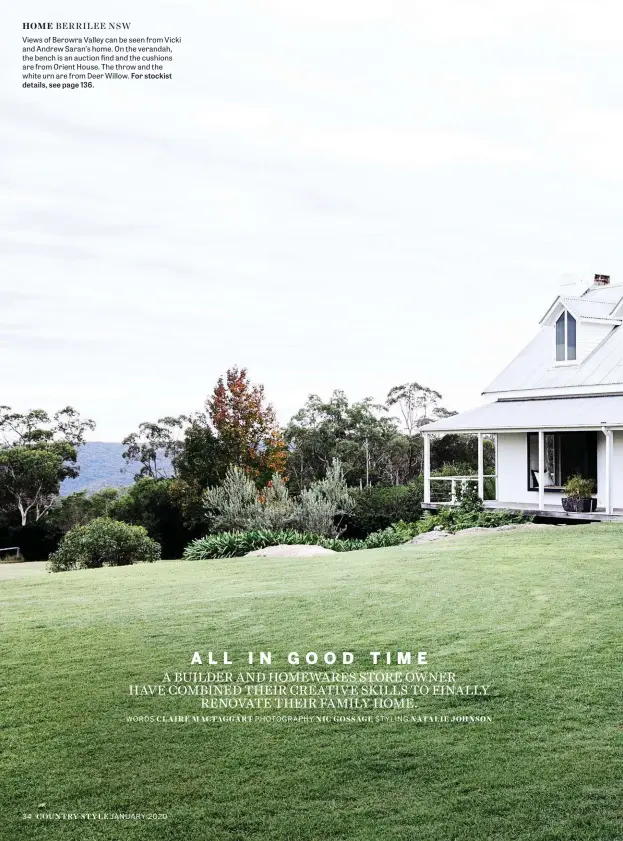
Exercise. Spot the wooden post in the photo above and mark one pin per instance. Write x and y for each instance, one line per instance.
(481, 467)
(541, 470)
(609, 447)
(496, 465)
(426, 436)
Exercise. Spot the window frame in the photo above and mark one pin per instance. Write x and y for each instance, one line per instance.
(568, 359)
(558, 460)
(556, 488)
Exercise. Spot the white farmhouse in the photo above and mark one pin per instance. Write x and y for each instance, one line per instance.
(556, 411)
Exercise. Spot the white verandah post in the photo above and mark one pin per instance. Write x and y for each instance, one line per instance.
(481, 467)
(426, 436)
(609, 447)
(541, 470)
(495, 470)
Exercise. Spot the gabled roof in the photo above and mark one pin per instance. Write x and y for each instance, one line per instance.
(584, 309)
(533, 367)
(598, 303)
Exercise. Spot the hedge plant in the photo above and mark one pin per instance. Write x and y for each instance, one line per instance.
(103, 542)
(233, 544)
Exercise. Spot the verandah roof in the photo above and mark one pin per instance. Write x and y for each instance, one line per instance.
(536, 413)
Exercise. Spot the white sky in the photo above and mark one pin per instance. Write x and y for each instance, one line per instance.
(334, 194)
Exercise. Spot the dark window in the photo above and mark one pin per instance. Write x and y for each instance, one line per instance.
(560, 339)
(570, 336)
(566, 454)
(565, 338)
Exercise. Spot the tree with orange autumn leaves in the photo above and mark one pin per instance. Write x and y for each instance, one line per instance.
(247, 426)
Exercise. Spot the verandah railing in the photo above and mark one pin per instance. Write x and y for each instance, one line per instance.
(448, 489)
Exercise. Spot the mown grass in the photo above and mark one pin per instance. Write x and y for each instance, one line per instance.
(536, 614)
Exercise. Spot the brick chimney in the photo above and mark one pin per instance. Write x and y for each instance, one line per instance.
(601, 280)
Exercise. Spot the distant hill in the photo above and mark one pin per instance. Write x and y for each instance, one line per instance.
(101, 466)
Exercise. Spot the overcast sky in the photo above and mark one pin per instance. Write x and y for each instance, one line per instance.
(333, 193)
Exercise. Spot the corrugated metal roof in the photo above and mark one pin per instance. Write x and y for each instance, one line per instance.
(534, 368)
(589, 308)
(555, 413)
(612, 293)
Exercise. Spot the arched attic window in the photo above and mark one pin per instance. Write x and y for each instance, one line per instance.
(565, 338)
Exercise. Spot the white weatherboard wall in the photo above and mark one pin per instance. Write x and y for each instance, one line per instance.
(589, 336)
(512, 484)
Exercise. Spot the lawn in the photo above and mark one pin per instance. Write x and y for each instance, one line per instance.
(536, 615)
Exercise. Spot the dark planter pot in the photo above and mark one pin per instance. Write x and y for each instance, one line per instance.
(579, 506)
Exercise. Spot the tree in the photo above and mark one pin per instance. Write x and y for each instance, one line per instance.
(357, 434)
(246, 426)
(70, 427)
(29, 480)
(201, 460)
(36, 454)
(237, 428)
(35, 428)
(199, 465)
(156, 447)
(78, 508)
(418, 405)
(462, 452)
(155, 505)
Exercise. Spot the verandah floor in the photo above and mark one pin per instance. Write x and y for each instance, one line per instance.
(550, 511)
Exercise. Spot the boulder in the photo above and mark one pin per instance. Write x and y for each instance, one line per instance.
(428, 537)
(296, 550)
(537, 525)
(473, 530)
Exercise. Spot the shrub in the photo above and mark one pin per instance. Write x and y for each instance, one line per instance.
(103, 542)
(577, 487)
(325, 501)
(392, 536)
(377, 508)
(456, 519)
(236, 544)
(467, 496)
(236, 505)
(279, 509)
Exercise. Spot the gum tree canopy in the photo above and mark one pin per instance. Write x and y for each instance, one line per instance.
(36, 454)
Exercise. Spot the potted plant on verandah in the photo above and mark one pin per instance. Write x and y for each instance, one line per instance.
(579, 495)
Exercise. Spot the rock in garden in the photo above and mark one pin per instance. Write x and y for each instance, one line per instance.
(428, 537)
(473, 530)
(296, 550)
(538, 526)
